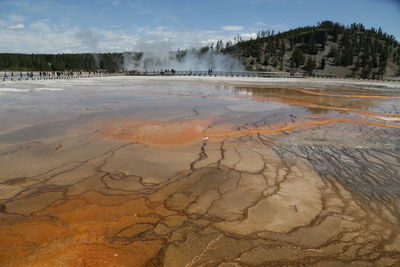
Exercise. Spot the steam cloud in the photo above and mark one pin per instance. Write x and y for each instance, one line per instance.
(88, 39)
(158, 55)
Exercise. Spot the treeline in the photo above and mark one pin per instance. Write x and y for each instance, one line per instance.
(365, 52)
(60, 62)
(88, 61)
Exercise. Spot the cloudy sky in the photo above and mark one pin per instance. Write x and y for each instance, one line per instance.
(54, 26)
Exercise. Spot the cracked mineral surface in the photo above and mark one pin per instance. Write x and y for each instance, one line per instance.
(140, 171)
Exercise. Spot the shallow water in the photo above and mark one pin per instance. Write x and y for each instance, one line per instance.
(124, 171)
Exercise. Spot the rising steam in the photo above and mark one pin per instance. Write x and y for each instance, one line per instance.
(158, 55)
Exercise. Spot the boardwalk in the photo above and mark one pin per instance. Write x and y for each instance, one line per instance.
(7, 76)
(18, 76)
(219, 74)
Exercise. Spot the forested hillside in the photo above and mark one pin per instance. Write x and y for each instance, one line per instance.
(48, 62)
(326, 48)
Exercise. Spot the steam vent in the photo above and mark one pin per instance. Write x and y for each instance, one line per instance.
(199, 171)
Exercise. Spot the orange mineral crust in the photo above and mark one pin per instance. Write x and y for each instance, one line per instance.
(83, 231)
(186, 132)
(154, 132)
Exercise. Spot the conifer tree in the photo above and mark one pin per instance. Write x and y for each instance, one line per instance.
(298, 57)
(323, 63)
(310, 65)
(282, 52)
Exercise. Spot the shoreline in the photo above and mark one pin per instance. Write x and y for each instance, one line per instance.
(221, 79)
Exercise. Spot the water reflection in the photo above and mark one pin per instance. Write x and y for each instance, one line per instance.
(323, 103)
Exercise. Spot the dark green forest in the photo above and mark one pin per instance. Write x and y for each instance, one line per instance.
(75, 62)
(367, 53)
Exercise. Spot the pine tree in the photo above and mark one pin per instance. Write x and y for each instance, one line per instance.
(346, 57)
(266, 61)
(338, 58)
(324, 39)
(383, 62)
(310, 65)
(292, 65)
(228, 44)
(298, 57)
(312, 49)
(332, 52)
(282, 52)
(323, 63)
(357, 64)
(219, 46)
(398, 61)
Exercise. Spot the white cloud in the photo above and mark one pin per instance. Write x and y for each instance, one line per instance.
(19, 26)
(248, 35)
(45, 37)
(211, 32)
(232, 28)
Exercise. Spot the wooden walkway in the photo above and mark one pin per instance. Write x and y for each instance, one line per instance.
(37, 76)
(260, 74)
(217, 74)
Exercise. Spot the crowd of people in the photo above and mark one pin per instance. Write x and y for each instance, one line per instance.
(42, 75)
(146, 72)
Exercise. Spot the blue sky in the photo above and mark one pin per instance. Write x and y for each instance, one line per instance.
(53, 26)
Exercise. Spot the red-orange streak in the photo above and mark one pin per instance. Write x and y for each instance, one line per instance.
(349, 96)
(312, 123)
(312, 105)
(310, 92)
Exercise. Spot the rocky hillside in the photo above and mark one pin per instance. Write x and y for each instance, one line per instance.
(328, 48)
